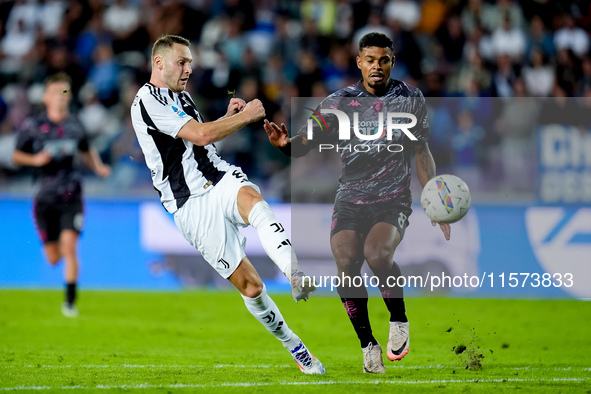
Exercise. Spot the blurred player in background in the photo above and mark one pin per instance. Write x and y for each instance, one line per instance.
(50, 142)
(208, 197)
(373, 199)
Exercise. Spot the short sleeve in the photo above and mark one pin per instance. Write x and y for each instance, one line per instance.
(83, 139)
(421, 130)
(26, 137)
(160, 113)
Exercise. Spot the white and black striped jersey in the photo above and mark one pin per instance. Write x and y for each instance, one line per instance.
(179, 168)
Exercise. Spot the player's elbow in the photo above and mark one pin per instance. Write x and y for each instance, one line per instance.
(196, 133)
(16, 158)
(202, 140)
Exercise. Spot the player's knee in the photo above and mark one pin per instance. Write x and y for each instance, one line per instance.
(253, 290)
(348, 264)
(53, 258)
(68, 251)
(52, 253)
(379, 259)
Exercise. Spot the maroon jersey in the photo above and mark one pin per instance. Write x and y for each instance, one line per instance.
(59, 180)
(379, 169)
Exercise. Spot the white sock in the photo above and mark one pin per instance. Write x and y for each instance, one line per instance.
(274, 238)
(263, 308)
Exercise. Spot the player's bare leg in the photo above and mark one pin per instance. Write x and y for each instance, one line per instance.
(246, 279)
(255, 211)
(68, 247)
(379, 248)
(52, 252)
(346, 247)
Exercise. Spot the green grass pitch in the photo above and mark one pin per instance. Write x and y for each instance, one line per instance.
(196, 341)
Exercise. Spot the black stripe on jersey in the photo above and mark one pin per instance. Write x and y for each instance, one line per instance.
(190, 108)
(209, 171)
(171, 152)
(159, 93)
(192, 103)
(170, 94)
(189, 99)
(158, 97)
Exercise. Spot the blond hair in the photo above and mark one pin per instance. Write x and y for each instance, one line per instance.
(166, 42)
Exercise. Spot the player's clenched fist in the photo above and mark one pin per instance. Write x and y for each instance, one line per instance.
(255, 110)
(236, 105)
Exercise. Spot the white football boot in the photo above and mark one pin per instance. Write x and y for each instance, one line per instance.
(372, 359)
(398, 341)
(300, 288)
(69, 310)
(306, 360)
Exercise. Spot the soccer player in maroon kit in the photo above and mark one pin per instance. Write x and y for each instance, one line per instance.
(373, 200)
(49, 142)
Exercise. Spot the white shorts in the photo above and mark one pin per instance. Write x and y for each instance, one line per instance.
(210, 222)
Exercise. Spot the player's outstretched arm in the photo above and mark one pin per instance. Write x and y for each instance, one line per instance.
(279, 137)
(28, 159)
(92, 159)
(425, 171)
(206, 133)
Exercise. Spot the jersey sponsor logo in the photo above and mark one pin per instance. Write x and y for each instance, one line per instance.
(178, 111)
(60, 148)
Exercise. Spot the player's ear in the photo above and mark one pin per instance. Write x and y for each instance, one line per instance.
(358, 59)
(158, 62)
(393, 61)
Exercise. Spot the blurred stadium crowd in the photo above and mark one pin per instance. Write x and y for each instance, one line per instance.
(472, 58)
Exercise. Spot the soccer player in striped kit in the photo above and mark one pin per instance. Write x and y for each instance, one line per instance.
(209, 197)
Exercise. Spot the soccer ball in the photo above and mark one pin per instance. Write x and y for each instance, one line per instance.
(445, 199)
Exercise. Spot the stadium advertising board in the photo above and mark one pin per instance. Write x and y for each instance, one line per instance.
(136, 245)
(564, 164)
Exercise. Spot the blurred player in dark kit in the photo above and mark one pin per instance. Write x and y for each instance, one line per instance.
(50, 142)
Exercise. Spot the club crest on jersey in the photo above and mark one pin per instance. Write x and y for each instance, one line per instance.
(178, 111)
(378, 106)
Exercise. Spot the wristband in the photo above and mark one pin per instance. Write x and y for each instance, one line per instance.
(286, 150)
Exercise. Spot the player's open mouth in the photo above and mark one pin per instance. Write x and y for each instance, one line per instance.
(184, 80)
(376, 77)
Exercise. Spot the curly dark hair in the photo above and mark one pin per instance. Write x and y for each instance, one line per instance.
(375, 40)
